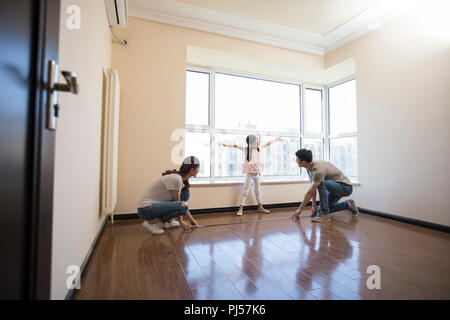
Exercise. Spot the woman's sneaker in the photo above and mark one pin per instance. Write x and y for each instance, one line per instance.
(173, 224)
(352, 207)
(154, 228)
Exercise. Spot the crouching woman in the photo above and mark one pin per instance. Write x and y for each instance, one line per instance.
(166, 198)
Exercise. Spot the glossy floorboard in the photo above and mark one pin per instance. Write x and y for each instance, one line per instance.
(269, 258)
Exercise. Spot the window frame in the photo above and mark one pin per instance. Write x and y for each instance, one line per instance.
(212, 130)
(346, 134)
(209, 97)
(328, 87)
(324, 134)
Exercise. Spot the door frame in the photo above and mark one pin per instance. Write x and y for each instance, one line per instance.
(45, 48)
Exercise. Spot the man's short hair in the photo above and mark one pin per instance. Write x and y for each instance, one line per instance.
(304, 155)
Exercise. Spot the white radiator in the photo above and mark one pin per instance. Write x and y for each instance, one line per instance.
(110, 141)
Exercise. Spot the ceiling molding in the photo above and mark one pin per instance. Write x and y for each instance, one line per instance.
(198, 18)
(373, 18)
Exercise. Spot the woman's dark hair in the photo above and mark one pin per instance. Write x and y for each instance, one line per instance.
(250, 140)
(304, 155)
(189, 163)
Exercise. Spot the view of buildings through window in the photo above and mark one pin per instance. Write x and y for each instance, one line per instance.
(238, 106)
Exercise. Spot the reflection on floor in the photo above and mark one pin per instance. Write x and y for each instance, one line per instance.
(269, 259)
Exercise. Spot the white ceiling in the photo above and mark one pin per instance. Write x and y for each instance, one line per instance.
(315, 16)
(313, 26)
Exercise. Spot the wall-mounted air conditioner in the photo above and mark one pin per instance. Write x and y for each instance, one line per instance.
(117, 11)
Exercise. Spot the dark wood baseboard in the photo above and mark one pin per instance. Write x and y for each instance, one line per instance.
(86, 260)
(420, 223)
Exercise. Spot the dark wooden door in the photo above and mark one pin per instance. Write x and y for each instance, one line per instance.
(29, 31)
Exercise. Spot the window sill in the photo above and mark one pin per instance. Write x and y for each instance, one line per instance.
(218, 183)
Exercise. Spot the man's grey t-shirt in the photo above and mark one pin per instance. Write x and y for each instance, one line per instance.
(161, 190)
(324, 170)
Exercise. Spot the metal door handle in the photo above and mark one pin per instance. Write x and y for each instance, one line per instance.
(53, 87)
(71, 84)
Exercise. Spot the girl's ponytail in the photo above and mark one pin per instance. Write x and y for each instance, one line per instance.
(250, 140)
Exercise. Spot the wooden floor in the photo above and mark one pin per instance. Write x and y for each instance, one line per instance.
(269, 257)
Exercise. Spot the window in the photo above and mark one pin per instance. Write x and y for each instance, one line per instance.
(197, 98)
(343, 130)
(279, 158)
(313, 122)
(343, 155)
(229, 161)
(342, 99)
(316, 146)
(198, 144)
(257, 105)
(226, 108)
(313, 111)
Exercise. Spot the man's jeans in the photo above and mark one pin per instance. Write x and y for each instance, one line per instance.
(330, 192)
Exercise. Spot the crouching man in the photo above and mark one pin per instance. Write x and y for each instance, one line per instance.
(332, 185)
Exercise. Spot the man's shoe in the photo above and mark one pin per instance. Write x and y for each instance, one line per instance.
(353, 208)
(321, 218)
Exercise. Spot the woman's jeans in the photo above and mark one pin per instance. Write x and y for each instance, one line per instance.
(330, 192)
(165, 211)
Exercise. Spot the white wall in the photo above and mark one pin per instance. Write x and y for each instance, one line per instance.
(403, 98)
(76, 207)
